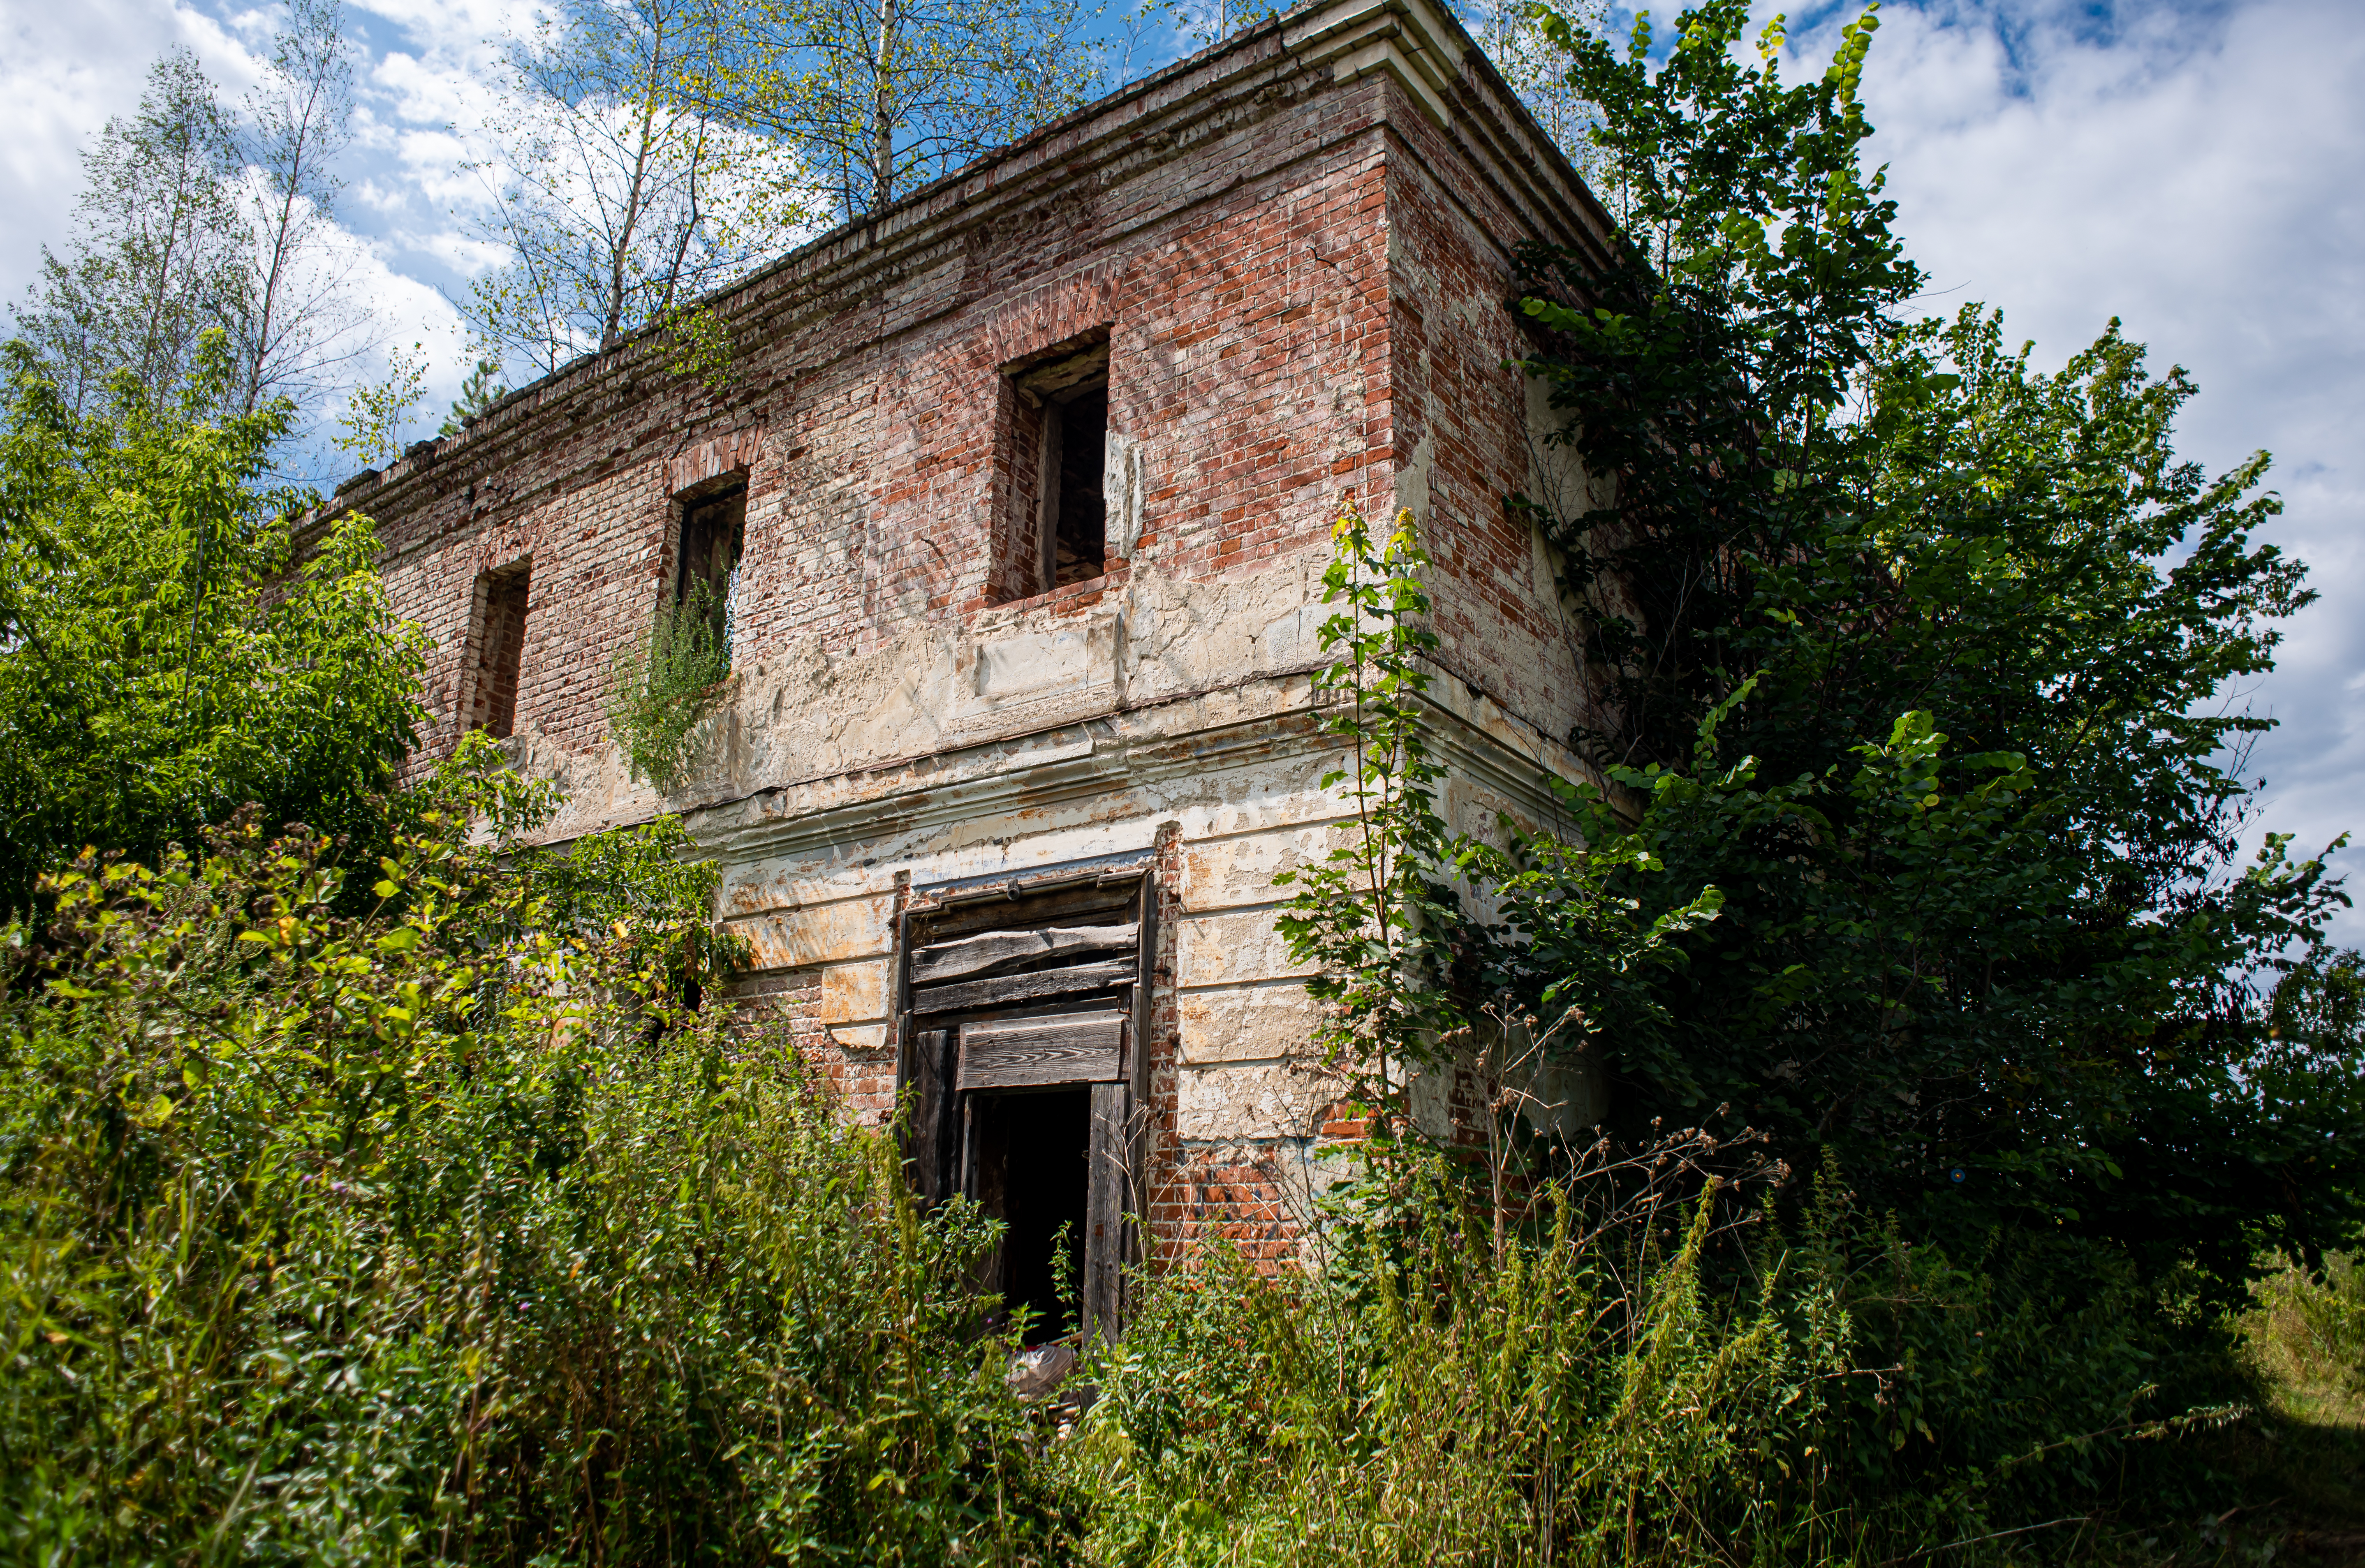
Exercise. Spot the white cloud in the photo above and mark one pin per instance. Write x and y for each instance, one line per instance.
(2191, 167)
(64, 70)
(2194, 172)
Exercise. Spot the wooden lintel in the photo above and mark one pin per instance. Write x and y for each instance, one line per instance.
(993, 949)
(1003, 991)
(1035, 1053)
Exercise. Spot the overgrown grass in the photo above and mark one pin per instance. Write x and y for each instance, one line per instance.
(1576, 1399)
(433, 1237)
(1673, 1380)
(2308, 1334)
(2300, 1468)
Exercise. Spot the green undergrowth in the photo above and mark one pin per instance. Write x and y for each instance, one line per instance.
(1677, 1381)
(452, 1233)
(664, 685)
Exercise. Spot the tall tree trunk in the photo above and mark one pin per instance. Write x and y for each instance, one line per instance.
(622, 245)
(690, 226)
(152, 343)
(282, 244)
(882, 122)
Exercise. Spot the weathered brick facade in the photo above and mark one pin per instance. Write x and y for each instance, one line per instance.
(1297, 249)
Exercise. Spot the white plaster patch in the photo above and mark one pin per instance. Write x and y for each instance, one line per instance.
(1123, 485)
(857, 928)
(1256, 1023)
(859, 1036)
(1253, 1102)
(1220, 949)
(1232, 871)
(1035, 664)
(854, 993)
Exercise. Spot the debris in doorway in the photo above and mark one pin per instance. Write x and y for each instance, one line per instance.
(1039, 1371)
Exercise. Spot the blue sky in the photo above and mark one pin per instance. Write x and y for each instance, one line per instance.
(2196, 169)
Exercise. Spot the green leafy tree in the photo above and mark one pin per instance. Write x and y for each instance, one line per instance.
(1373, 913)
(876, 97)
(1520, 46)
(171, 654)
(196, 215)
(617, 202)
(160, 248)
(376, 412)
(1919, 656)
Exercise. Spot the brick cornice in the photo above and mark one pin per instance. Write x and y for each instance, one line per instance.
(1326, 45)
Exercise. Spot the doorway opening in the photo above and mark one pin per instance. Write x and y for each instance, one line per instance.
(1033, 1173)
(1023, 1002)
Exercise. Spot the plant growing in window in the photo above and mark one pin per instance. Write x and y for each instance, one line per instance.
(662, 687)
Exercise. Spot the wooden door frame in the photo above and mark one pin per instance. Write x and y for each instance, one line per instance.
(934, 1116)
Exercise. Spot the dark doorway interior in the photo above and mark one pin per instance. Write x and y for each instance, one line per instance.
(1033, 1168)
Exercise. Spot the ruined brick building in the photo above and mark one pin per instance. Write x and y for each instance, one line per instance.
(1021, 492)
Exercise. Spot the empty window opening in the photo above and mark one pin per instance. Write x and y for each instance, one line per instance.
(497, 648)
(1058, 453)
(1034, 1154)
(1075, 528)
(713, 535)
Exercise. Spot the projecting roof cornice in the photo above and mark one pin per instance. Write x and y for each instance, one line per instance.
(1318, 48)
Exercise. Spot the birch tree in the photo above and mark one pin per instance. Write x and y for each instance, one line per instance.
(158, 247)
(297, 323)
(195, 216)
(878, 97)
(617, 202)
(1513, 35)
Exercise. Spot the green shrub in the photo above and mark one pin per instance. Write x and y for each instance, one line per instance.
(168, 653)
(451, 1234)
(663, 686)
(1581, 1394)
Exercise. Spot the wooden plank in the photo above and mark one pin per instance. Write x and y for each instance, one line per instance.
(929, 1141)
(992, 949)
(1136, 1071)
(1085, 903)
(1030, 1053)
(1136, 1066)
(1105, 1249)
(1001, 991)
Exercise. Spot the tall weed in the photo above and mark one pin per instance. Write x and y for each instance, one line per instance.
(451, 1234)
(1579, 1394)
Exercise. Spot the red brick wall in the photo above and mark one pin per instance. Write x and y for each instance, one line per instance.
(1250, 357)
(863, 1080)
(1496, 614)
(1302, 293)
